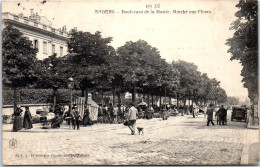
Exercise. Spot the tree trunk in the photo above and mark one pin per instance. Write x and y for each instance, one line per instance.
(134, 95)
(160, 104)
(54, 98)
(165, 97)
(82, 92)
(177, 98)
(86, 96)
(148, 96)
(185, 107)
(193, 113)
(15, 98)
(119, 98)
(152, 99)
(113, 93)
(102, 98)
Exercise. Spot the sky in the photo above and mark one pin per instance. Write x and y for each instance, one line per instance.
(194, 37)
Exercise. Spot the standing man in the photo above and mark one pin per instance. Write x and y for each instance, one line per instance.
(209, 113)
(132, 118)
(76, 117)
(223, 114)
(115, 114)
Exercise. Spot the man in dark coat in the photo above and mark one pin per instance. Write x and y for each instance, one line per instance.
(222, 114)
(209, 113)
(76, 117)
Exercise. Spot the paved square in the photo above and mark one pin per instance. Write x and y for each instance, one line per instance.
(180, 140)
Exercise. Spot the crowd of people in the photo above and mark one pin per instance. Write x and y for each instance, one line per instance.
(220, 114)
(112, 114)
(19, 122)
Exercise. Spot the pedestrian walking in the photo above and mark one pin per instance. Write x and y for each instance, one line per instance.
(132, 118)
(18, 122)
(209, 113)
(27, 119)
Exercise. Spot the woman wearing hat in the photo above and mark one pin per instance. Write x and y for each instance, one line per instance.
(18, 122)
(27, 119)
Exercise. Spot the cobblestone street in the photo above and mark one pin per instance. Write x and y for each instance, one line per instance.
(180, 140)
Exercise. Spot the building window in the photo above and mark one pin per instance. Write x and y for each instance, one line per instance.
(53, 49)
(35, 44)
(26, 20)
(61, 51)
(16, 17)
(45, 47)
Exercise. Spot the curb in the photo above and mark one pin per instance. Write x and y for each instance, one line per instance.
(252, 127)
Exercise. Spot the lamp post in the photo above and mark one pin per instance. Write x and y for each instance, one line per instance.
(54, 84)
(70, 86)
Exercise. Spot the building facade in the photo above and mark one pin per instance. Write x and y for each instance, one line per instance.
(39, 30)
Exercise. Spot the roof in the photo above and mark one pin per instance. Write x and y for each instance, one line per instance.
(92, 103)
(142, 104)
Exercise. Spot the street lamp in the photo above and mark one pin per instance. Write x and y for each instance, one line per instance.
(70, 86)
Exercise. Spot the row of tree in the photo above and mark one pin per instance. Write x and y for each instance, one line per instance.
(96, 66)
(244, 44)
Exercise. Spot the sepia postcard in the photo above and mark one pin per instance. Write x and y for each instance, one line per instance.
(140, 82)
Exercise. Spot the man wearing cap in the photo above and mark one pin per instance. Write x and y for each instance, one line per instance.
(132, 118)
(76, 117)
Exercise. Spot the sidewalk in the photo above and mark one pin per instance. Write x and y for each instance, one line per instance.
(250, 154)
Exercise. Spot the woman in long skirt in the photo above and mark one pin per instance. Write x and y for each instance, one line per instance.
(18, 122)
(27, 119)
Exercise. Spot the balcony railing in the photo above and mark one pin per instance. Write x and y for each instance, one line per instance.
(29, 22)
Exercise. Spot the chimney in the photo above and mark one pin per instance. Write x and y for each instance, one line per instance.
(31, 12)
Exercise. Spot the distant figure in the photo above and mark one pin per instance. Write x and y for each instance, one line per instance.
(18, 122)
(109, 114)
(132, 118)
(222, 114)
(209, 113)
(218, 117)
(86, 119)
(27, 119)
(115, 114)
(76, 117)
(100, 111)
